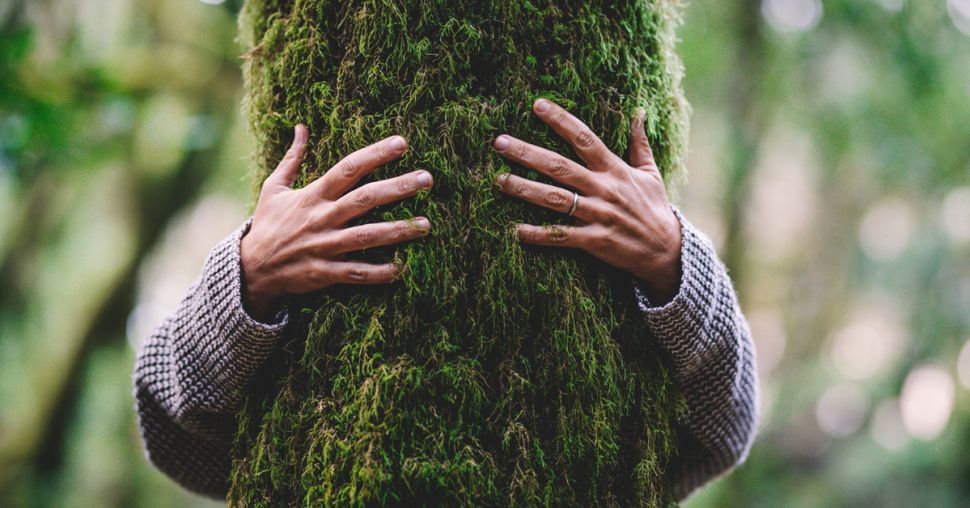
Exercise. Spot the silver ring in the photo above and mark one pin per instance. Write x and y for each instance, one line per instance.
(572, 209)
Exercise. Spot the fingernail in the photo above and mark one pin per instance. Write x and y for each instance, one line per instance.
(424, 179)
(423, 223)
(541, 106)
(300, 133)
(502, 142)
(398, 143)
(503, 178)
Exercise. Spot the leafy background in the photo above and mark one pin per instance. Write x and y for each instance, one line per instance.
(830, 163)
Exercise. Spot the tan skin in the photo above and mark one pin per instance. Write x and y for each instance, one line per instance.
(299, 237)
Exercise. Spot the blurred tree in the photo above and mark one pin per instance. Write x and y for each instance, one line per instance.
(88, 206)
(494, 374)
(748, 123)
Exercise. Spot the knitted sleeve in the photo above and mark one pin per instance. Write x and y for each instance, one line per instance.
(708, 339)
(190, 373)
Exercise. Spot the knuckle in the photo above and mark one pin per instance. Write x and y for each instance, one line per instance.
(614, 193)
(357, 274)
(365, 199)
(617, 164)
(585, 138)
(519, 186)
(319, 272)
(406, 185)
(609, 216)
(349, 167)
(363, 237)
(558, 234)
(556, 198)
(559, 167)
(324, 217)
(308, 223)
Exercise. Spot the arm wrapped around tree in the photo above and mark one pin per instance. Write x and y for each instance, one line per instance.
(708, 339)
(191, 370)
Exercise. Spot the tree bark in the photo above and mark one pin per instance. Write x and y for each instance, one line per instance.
(494, 373)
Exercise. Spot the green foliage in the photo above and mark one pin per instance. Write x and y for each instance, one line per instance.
(494, 374)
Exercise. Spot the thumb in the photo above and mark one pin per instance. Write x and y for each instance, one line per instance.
(641, 156)
(289, 167)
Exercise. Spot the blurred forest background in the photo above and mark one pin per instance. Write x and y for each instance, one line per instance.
(830, 163)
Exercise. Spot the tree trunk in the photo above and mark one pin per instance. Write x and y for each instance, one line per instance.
(494, 373)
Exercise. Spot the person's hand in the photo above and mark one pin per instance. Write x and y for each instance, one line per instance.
(623, 215)
(297, 242)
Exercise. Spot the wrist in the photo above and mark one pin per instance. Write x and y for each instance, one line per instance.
(661, 278)
(258, 307)
(661, 285)
(257, 294)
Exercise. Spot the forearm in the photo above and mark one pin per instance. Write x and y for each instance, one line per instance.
(191, 372)
(705, 333)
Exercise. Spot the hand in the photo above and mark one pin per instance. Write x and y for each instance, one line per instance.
(297, 242)
(623, 215)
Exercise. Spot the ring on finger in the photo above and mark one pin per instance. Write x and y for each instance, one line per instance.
(572, 209)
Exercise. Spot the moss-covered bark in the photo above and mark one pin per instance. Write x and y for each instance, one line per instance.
(495, 373)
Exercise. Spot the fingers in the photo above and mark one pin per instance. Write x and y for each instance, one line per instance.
(641, 155)
(352, 272)
(370, 196)
(346, 173)
(546, 162)
(377, 235)
(587, 145)
(288, 169)
(554, 235)
(548, 196)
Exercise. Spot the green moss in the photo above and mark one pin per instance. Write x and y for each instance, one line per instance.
(495, 373)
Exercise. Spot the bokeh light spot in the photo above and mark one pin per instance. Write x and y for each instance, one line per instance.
(792, 16)
(841, 410)
(927, 401)
(960, 14)
(887, 229)
(872, 341)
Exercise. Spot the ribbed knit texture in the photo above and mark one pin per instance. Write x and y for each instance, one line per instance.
(708, 339)
(191, 372)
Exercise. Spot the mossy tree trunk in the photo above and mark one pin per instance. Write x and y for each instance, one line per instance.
(495, 373)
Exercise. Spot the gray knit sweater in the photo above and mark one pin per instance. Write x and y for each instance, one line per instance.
(192, 371)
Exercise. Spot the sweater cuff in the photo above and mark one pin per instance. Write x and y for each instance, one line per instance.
(223, 270)
(679, 326)
(240, 339)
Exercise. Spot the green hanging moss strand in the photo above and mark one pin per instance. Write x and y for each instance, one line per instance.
(494, 373)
